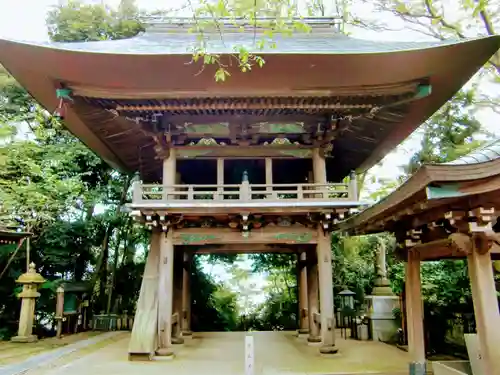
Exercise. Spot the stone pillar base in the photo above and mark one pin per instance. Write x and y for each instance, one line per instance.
(177, 340)
(187, 333)
(417, 368)
(328, 349)
(303, 331)
(30, 338)
(164, 352)
(314, 339)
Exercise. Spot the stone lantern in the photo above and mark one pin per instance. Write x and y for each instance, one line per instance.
(30, 281)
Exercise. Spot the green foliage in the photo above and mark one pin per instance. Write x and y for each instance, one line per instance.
(450, 133)
(77, 21)
(214, 306)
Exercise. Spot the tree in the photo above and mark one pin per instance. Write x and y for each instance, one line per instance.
(75, 21)
(441, 20)
(450, 133)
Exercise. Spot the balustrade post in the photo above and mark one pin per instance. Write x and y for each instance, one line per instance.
(136, 192)
(353, 186)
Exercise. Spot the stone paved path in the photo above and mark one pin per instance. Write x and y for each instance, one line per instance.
(222, 353)
(50, 356)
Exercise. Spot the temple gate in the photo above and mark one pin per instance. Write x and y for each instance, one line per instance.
(262, 162)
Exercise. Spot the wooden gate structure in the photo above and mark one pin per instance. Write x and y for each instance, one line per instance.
(260, 162)
(446, 211)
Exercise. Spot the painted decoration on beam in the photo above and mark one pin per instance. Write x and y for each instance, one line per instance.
(189, 239)
(218, 129)
(294, 237)
(272, 128)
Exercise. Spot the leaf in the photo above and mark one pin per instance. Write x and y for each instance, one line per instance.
(220, 75)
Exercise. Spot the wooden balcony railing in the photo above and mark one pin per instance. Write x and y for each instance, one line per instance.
(192, 194)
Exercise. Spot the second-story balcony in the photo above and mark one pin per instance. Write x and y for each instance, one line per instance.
(209, 199)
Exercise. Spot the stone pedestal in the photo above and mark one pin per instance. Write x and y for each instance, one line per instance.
(30, 281)
(380, 310)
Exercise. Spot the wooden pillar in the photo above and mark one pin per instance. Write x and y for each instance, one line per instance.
(143, 340)
(220, 178)
(415, 318)
(165, 293)
(177, 298)
(485, 309)
(169, 173)
(269, 175)
(319, 166)
(302, 286)
(186, 296)
(324, 254)
(59, 310)
(312, 298)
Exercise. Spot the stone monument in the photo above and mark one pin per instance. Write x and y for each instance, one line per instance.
(381, 303)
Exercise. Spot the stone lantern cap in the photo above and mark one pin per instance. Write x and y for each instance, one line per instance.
(30, 277)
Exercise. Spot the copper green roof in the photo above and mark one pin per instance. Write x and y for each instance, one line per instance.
(177, 43)
(450, 185)
(488, 152)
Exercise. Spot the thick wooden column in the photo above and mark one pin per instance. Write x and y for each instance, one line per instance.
(143, 340)
(486, 309)
(302, 286)
(177, 298)
(415, 317)
(319, 166)
(165, 294)
(312, 298)
(326, 293)
(269, 174)
(186, 295)
(169, 177)
(169, 168)
(220, 177)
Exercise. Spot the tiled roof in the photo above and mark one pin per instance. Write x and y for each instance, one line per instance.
(488, 152)
(177, 43)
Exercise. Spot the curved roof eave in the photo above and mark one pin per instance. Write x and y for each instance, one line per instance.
(297, 65)
(461, 170)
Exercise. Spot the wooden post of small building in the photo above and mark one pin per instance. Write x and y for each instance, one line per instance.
(312, 298)
(486, 310)
(165, 294)
(415, 318)
(326, 293)
(59, 310)
(186, 295)
(303, 304)
(30, 281)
